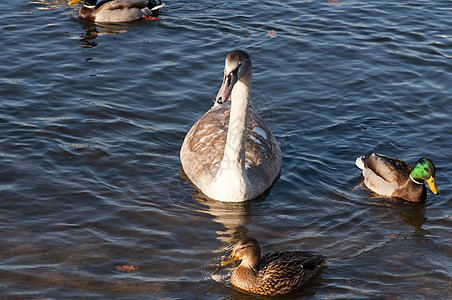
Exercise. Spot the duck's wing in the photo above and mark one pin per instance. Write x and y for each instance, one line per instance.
(282, 272)
(309, 260)
(390, 169)
(121, 4)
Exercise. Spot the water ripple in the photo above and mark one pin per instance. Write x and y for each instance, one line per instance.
(94, 203)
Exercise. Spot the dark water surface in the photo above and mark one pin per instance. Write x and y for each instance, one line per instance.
(92, 119)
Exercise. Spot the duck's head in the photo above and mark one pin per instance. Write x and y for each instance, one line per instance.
(237, 66)
(248, 251)
(88, 3)
(424, 169)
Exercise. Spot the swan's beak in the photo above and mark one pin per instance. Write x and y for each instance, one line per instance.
(73, 2)
(227, 262)
(432, 185)
(226, 88)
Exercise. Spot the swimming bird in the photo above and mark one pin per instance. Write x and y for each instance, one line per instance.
(275, 273)
(116, 11)
(230, 154)
(395, 178)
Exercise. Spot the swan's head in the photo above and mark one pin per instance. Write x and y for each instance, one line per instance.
(237, 66)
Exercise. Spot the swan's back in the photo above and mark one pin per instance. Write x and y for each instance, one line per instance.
(203, 148)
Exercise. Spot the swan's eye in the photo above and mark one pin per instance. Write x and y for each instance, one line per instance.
(229, 79)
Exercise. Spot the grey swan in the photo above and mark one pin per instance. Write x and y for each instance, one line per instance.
(230, 154)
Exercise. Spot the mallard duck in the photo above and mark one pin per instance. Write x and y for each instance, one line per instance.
(116, 11)
(230, 154)
(275, 273)
(395, 178)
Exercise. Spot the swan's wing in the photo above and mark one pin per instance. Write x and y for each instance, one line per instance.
(263, 156)
(203, 147)
(204, 144)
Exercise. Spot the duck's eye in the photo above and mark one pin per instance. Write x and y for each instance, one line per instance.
(242, 248)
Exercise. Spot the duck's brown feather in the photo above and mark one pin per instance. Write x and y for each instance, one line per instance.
(388, 168)
(121, 4)
(280, 273)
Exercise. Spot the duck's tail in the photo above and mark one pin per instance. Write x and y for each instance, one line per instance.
(360, 162)
(154, 5)
(314, 262)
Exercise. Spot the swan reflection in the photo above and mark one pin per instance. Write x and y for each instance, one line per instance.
(234, 216)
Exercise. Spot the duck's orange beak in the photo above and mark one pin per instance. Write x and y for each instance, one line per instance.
(73, 2)
(227, 262)
(432, 185)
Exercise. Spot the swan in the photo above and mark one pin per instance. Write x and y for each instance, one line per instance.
(115, 11)
(230, 154)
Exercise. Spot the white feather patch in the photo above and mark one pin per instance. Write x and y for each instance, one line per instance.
(360, 162)
(260, 132)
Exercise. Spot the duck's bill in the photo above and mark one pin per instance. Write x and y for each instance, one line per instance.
(227, 262)
(226, 88)
(432, 185)
(73, 2)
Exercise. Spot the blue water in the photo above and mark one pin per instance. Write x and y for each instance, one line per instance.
(92, 119)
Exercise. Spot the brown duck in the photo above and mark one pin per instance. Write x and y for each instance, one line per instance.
(275, 273)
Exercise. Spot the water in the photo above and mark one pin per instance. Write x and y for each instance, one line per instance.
(92, 119)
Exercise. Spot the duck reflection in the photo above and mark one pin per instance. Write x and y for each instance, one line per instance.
(49, 4)
(92, 31)
(412, 214)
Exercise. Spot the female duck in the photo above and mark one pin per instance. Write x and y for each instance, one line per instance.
(116, 11)
(230, 154)
(276, 273)
(395, 178)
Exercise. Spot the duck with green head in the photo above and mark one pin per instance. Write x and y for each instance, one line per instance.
(116, 11)
(392, 177)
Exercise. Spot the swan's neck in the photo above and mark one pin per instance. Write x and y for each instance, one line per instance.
(234, 151)
(231, 181)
